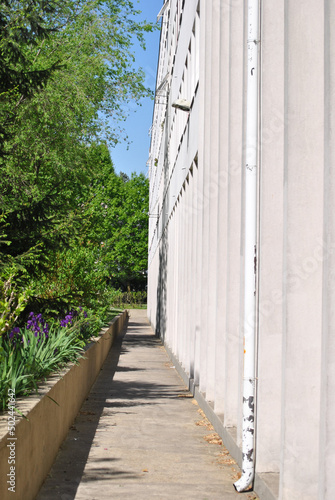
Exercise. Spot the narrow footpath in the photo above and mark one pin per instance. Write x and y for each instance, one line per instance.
(140, 434)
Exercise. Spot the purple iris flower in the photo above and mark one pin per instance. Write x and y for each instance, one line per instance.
(37, 325)
(14, 332)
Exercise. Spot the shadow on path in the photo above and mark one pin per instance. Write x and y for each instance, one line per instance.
(109, 396)
(67, 471)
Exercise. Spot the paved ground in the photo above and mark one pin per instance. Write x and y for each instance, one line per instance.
(140, 434)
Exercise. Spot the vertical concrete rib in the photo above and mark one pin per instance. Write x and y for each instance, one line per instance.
(204, 166)
(223, 13)
(327, 406)
(234, 201)
(186, 257)
(213, 100)
(303, 228)
(198, 257)
(271, 234)
(193, 283)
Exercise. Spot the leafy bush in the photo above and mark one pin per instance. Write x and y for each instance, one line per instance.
(130, 298)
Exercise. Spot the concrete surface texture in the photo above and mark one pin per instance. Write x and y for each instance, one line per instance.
(140, 434)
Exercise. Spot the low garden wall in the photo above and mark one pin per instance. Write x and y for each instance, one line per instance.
(28, 446)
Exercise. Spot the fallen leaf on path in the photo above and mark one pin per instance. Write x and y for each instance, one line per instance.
(236, 476)
(213, 438)
(226, 461)
(205, 423)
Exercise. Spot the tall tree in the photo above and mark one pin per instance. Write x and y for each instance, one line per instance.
(71, 67)
(22, 24)
(116, 213)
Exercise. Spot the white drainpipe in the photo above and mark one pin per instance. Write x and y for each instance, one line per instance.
(249, 365)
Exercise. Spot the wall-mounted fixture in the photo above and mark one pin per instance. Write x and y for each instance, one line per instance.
(182, 104)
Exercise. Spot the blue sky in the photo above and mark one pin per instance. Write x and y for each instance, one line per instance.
(137, 125)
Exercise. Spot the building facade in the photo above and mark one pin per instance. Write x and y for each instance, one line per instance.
(197, 249)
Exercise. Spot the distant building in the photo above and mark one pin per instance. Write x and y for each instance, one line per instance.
(196, 280)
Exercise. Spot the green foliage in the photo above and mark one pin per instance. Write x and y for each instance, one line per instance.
(108, 248)
(69, 226)
(45, 158)
(72, 277)
(12, 303)
(129, 299)
(30, 354)
(22, 365)
(117, 226)
(23, 24)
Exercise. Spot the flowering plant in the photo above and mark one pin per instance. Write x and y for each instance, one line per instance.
(31, 352)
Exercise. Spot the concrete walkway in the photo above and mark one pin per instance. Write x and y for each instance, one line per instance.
(140, 434)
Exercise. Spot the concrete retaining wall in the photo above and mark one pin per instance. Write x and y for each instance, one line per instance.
(38, 438)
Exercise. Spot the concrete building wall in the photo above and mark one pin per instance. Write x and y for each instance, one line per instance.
(196, 241)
